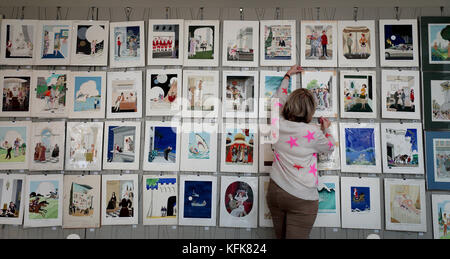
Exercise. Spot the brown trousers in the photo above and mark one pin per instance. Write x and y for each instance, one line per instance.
(292, 217)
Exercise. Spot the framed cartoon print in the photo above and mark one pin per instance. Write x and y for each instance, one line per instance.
(124, 95)
(12, 198)
(240, 94)
(240, 43)
(163, 92)
(18, 42)
(436, 100)
(47, 146)
(358, 98)
(160, 199)
(323, 86)
(434, 33)
(357, 45)
(437, 150)
(127, 44)
(15, 145)
(200, 94)
(90, 42)
(15, 86)
(278, 43)
(202, 43)
(165, 42)
(318, 43)
(54, 39)
(399, 43)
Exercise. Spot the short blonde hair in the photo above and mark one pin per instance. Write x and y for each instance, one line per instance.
(300, 106)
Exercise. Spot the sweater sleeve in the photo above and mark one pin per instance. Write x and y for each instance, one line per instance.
(281, 94)
(325, 142)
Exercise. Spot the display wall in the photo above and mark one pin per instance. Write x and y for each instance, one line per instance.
(138, 230)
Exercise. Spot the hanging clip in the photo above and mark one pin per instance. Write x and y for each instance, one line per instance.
(355, 13)
(442, 10)
(167, 12)
(58, 13)
(241, 12)
(318, 13)
(22, 13)
(201, 13)
(128, 12)
(277, 13)
(397, 13)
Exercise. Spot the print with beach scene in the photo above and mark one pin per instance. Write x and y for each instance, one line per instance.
(86, 97)
(329, 213)
(360, 151)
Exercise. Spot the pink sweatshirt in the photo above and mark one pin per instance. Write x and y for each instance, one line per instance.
(295, 163)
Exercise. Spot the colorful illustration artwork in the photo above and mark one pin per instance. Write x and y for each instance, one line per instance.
(440, 98)
(400, 93)
(121, 144)
(402, 147)
(398, 42)
(239, 42)
(441, 160)
(321, 84)
(13, 144)
(124, 96)
(239, 147)
(360, 146)
(278, 42)
(43, 199)
(120, 195)
(11, 197)
(16, 93)
(81, 201)
(127, 43)
(200, 44)
(199, 145)
(88, 92)
(239, 94)
(356, 42)
(55, 41)
(360, 199)
(439, 43)
(198, 199)
(47, 144)
(162, 145)
(163, 91)
(160, 196)
(327, 198)
(201, 93)
(50, 93)
(405, 204)
(358, 93)
(319, 42)
(271, 85)
(19, 41)
(239, 199)
(90, 40)
(165, 41)
(441, 216)
(84, 145)
(331, 161)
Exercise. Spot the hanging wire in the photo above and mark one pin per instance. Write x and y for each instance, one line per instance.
(58, 13)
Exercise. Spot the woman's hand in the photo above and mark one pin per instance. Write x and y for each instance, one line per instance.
(294, 70)
(324, 123)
